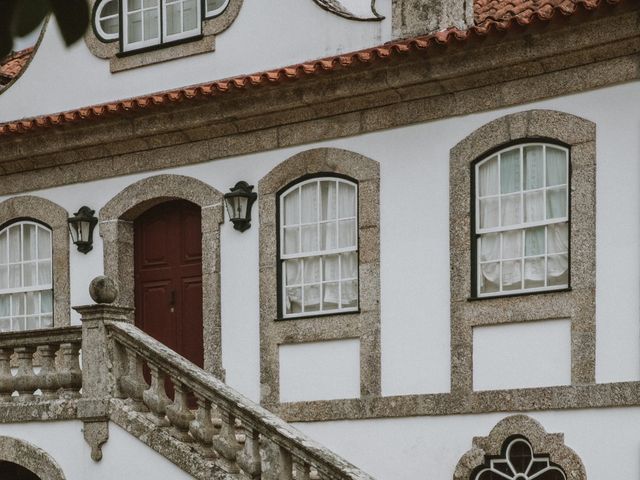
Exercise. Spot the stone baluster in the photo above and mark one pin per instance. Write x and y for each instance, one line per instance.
(201, 427)
(48, 375)
(155, 397)
(70, 375)
(303, 470)
(225, 443)
(25, 379)
(179, 414)
(286, 465)
(249, 458)
(133, 383)
(6, 378)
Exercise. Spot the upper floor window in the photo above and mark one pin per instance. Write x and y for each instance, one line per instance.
(522, 220)
(319, 247)
(148, 23)
(26, 291)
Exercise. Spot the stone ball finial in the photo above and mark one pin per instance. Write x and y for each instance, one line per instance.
(103, 290)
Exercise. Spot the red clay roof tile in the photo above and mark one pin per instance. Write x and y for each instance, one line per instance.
(491, 16)
(13, 64)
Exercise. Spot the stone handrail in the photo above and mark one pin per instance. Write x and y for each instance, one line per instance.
(223, 420)
(56, 351)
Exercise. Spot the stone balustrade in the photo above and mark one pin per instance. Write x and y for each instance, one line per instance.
(40, 365)
(215, 420)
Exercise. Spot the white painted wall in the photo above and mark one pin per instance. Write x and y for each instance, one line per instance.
(124, 456)
(320, 370)
(532, 354)
(415, 243)
(264, 36)
(607, 441)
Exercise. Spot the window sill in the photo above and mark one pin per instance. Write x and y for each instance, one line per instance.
(159, 46)
(319, 315)
(519, 294)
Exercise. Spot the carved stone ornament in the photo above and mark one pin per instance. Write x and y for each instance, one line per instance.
(364, 10)
(518, 448)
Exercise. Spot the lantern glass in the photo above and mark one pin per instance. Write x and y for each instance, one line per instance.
(239, 201)
(81, 227)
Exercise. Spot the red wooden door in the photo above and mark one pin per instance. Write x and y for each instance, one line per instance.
(168, 277)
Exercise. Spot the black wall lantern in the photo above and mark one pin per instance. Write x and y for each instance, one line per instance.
(239, 202)
(81, 226)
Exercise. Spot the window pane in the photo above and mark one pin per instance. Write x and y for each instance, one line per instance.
(4, 277)
(33, 302)
(510, 171)
(347, 234)
(173, 19)
(328, 200)
(29, 241)
(190, 15)
(151, 29)
(556, 166)
(3, 248)
(134, 5)
(293, 300)
(349, 298)
(312, 270)
(30, 277)
(44, 272)
(15, 276)
(309, 238)
(291, 240)
(33, 323)
(512, 244)
(331, 298)
(213, 5)
(512, 275)
(17, 304)
(558, 238)
(557, 270)
(533, 167)
(490, 247)
(292, 208)
(312, 298)
(5, 325)
(44, 243)
(347, 200)
(110, 25)
(134, 27)
(331, 268)
(534, 272)
(4, 305)
(534, 241)
(349, 265)
(14, 244)
(489, 209)
(293, 272)
(556, 202)
(309, 194)
(328, 236)
(490, 278)
(19, 324)
(110, 8)
(46, 321)
(46, 301)
(534, 206)
(511, 213)
(488, 178)
(150, 3)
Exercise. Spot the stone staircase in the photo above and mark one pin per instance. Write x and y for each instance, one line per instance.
(207, 429)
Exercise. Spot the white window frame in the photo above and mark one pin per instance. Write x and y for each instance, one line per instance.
(98, 19)
(33, 288)
(166, 38)
(479, 232)
(320, 253)
(216, 11)
(130, 46)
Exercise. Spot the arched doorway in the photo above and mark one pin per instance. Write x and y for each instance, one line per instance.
(13, 471)
(168, 276)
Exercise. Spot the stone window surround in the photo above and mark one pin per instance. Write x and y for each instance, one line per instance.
(551, 444)
(200, 44)
(116, 230)
(363, 325)
(577, 303)
(55, 217)
(30, 457)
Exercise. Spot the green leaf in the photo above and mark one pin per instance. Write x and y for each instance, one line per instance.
(28, 15)
(72, 17)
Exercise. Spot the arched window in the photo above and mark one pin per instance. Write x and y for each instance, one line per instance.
(319, 247)
(522, 220)
(26, 291)
(213, 8)
(107, 20)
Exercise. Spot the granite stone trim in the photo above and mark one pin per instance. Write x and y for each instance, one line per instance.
(420, 17)
(116, 229)
(578, 304)
(30, 457)
(541, 441)
(363, 325)
(210, 28)
(604, 395)
(55, 217)
(514, 70)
